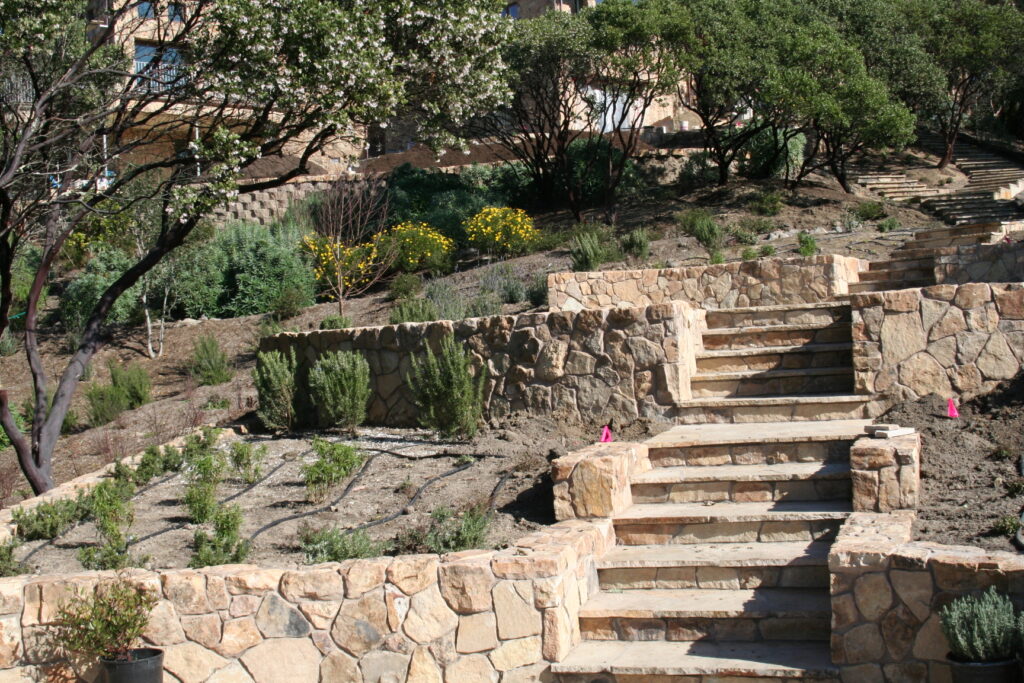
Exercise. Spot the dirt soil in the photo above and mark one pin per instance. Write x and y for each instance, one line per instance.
(968, 465)
(407, 475)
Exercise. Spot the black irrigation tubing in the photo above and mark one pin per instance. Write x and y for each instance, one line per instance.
(493, 501)
(411, 501)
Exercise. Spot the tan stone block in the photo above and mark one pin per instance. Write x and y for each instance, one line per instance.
(338, 667)
(283, 659)
(477, 633)
(423, 668)
(238, 636)
(10, 641)
(429, 616)
(310, 584)
(902, 300)
(512, 654)
(276, 618)
(514, 610)
(558, 634)
(164, 626)
(476, 668)
(413, 573)
(192, 663)
(253, 581)
(972, 295)
(863, 644)
(362, 576)
(930, 643)
(538, 673)
(718, 577)
(217, 592)
(915, 589)
(902, 336)
(384, 666)
(844, 611)
(12, 595)
(320, 613)
(361, 624)
(244, 605)
(203, 629)
(1010, 303)
(232, 673)
(466, 585)
(751, 491)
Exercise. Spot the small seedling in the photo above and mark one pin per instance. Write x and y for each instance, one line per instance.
(1006, 526)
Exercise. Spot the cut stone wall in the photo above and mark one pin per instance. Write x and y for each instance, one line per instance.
(590, 365)
(594, 482)
(952, 340)
(764, 282)
(266, 206)
(471, 616)
(886, 473)
(887, 592)
(1000, 262)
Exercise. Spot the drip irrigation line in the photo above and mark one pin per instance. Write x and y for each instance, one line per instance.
(493, 501)
(411, 501)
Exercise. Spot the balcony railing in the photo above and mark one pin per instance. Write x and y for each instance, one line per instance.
(152, 77)
(17, 90)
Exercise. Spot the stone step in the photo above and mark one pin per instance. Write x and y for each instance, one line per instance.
(743, 483)
(958, 231)
(897, 272)
(696, 662)
(871, 178)
(686, 614)
(900, 195)
(775, 357)
(889, 285)
(938, 242)
(772, 409)
(798, 564)
(688, 523)
(909, 250)
(779, 382)
(894, 262)
(754, 444)
(824, 313)
(754, 336)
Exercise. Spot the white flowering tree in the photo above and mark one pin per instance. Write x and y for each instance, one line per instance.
(225, 82)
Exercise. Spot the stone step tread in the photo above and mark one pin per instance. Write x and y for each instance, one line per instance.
(888, 285)
(788, 327)
(684, 436)
(893, 273)
(775, 350)
(784, 554)
(770, 374)
(780, 307)
(700, 513)
(773, 400)
(778, 659)
(708, 603)
(786, 471)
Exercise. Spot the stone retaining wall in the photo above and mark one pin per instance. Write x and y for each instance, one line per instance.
(945, 339)
(590, 365)
(474, 616)
(266, 206)
(594, 482)
(887, 591)
(1000, 262)
(764, 282)
(886, 473)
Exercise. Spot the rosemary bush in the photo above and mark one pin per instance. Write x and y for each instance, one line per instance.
(340, 387)
(980, 628)
(449, 398)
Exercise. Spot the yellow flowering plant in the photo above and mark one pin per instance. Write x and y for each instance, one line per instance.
(419, 246)
(502, 231)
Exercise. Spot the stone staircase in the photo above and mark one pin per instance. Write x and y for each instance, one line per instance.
(721, 569)
(898, 187)
(993, 182)
(721, 572)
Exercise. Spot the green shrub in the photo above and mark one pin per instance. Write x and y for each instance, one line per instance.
(697, 171)
(589, 161)
(744, 237)
(112, 512)
(483, 305)
(205, 470)
(587, 252)
(339, 385)
(1006, 526)
(216, 403)
(537, 291)
(501, 282)
(757, 225)
(335, 462)
(106, 403)
(870, 211)
(201, 501)
(766, 203)
(9, 344)
(418, 246)
(501, 231)
(247, 460)
(275, 383)
(450, 532)
(107, 623)
(173, 459)
(133, 380)
(83, 292)
(749, 254)
(413, 311)
(8, 565)
(637, 243)
(405, 286)
(448, 301)
(335, 545)
(150, 465)
(225, 546)
(47, 521)
(209, 365)
(772, 155)
(701, 225)
(335, 322)
(980, 628)
(290, 302)
(449, 398)
(889, 225)
(808, 246)
(716, 258)
(5, 442)
(767, 251)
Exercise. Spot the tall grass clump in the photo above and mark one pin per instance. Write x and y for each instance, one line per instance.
(335, 545)
(637, 243)
(701, 226)
(448, 396)
(340, 387)
(275, 384)
(209, 364)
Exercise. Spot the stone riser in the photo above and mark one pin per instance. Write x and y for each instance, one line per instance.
(925, 263)
(751, 454)
(742, 491)
(769, 337)
(726, 677)
(641, 578)
(727, 629)
(839, 383)
(790, 360)
(896, 274)
(726, 532)
(776, 413)
(887, 285)
(802, 316)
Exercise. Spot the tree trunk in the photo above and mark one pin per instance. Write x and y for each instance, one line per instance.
(723, 172)
(947, 156)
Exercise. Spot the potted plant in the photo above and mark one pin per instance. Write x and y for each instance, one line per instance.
(106, 625)
(982, 635)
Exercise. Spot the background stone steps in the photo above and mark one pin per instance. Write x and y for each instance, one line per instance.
(773, 357)
(779, 382)
(810, 481)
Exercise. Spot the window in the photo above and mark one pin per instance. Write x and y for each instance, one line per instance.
(147, 10)
(176, 12)
(158, 76)
(511, 11)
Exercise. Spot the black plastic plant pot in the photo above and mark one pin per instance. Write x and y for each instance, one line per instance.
(1007, 671)
(145, 666)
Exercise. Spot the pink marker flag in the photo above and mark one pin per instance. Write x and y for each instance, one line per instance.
(606, 434)
(951, 411)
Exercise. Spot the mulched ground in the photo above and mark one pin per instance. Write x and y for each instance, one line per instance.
(968, 466)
